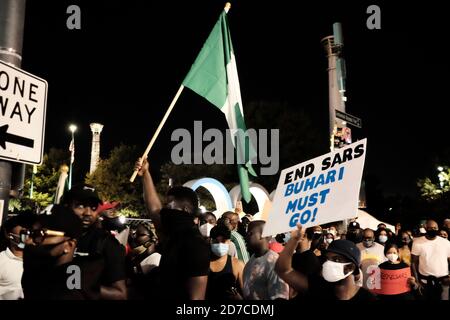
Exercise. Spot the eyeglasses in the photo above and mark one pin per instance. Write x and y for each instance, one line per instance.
(39, 235)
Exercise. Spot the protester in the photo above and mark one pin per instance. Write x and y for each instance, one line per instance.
(405, 245)
(443, 234)
(223, 221)
(236, 237)
(261, 282)
(394, 263)
(372, 254)
(11, 259)
(143, 241)
(340, 271)
(98, 243)
(225, 279)
(50, 270)
(430, 258)
(354, 232)
(209, 222)
(111, 221)
(185, 255)
(143, 262)
(381, 236)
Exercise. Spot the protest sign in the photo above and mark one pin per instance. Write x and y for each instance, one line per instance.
(318, 191)
(393, 281)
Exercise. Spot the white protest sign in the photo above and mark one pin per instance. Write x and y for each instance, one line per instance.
(23, 102)
(318, 191)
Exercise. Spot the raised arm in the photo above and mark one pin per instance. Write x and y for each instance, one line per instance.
(283, 267)
(151, 198)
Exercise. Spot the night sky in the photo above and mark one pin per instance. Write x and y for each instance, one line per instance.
(129, 58)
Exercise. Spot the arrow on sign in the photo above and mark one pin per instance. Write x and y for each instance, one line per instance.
(12, 138)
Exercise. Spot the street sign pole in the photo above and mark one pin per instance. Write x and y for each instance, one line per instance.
(12, 20)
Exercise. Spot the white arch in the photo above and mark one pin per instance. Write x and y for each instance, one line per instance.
(218, 191)
(258, 191)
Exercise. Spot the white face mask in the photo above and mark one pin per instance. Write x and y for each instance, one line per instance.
(205, 229)
(382, 239)
(329, 240)
(220, 249)
(392, 257)
(422, 230)
(334, 271)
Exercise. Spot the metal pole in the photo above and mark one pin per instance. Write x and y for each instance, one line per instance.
(12, 20)
(71, 161)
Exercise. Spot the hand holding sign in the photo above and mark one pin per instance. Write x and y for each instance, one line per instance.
(318, 191)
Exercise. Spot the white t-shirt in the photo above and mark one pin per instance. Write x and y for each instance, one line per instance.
(11, 269)
(433, 256)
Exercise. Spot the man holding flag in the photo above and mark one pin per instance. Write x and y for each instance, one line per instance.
(214, 76)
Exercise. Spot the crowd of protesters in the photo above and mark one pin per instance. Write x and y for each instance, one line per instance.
(82, 251)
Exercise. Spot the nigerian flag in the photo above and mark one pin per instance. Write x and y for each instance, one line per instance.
(214, 76)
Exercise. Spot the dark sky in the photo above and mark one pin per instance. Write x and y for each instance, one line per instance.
(126, 63)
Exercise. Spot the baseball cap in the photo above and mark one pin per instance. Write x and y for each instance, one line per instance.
(63, 219)
(353, 225)
(108, 205)
(82, 193)
(347, 249)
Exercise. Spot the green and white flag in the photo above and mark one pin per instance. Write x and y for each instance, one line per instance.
(214, 76)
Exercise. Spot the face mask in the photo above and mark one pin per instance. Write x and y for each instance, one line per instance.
(334, 271)
(422, 230)
(205, 229)
(287, 237)
(392, 257)
(432, 233)
(220, 249)
(329, 240)
(15, 239)
(368, 243)
(382, 239)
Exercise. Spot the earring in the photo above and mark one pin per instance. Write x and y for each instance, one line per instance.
(66, 251)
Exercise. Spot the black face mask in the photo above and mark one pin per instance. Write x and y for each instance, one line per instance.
(172, 219)
(432, 233)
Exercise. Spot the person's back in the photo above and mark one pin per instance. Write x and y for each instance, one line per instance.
(184, 254)
(222, 284)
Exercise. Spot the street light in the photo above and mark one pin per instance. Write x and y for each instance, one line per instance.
(72, 129)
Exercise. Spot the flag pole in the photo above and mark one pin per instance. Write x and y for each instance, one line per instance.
(163, 121)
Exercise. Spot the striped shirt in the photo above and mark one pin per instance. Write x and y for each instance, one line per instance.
(239, 242)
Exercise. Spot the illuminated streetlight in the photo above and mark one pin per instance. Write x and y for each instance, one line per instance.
(72, 129)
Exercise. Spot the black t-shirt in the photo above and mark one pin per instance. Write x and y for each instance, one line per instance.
(185, 254)
(47, 282)
(100, 243)
(318, 288)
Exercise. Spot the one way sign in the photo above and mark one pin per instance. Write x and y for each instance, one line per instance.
(23, 103)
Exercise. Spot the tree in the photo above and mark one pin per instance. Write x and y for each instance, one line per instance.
(111, 179)
(44, 180)
(431, 191)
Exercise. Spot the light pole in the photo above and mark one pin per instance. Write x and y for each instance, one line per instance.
(72, 129)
